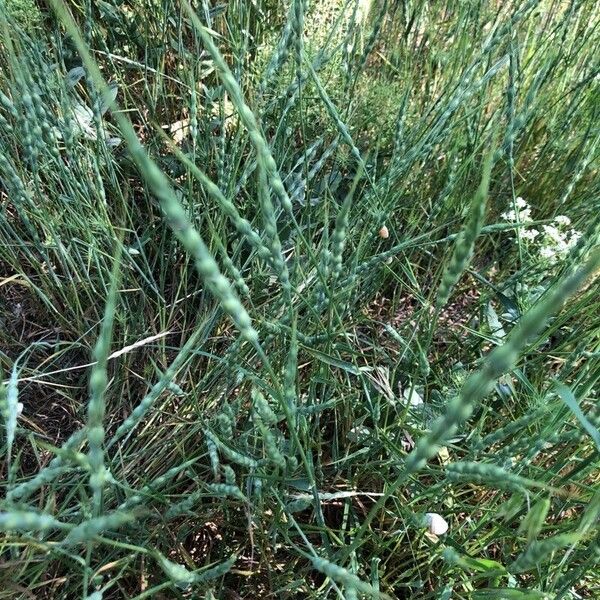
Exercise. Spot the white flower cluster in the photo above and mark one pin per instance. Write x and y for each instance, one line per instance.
(557, 241)
(522, 216)
(554, 240)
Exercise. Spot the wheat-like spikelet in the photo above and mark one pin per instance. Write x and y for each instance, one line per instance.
(282, 50)
(98, 385)
(236, 276)
(345, 577)
(182, 577)
(157, 389)
(338, 238)
(88, 530)
(225, 425)
(229, 453)
(8, 105)
(533, 522)
(272, 235)
(270, 442)
(502, 433)
(151, 488)
(373, 38)
(290, 374)
(223, 489)
(184, 506)
(230, 478)
(298, 10)
(28, 521)
(23, 491)
(263, 408)
(213, 455)
(465, 243)
(216, 571)
(176, 572)
(193, 113)
(539, 551)
(487, 473)
(9, 397)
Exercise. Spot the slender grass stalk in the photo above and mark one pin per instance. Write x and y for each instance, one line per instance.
(98, 385)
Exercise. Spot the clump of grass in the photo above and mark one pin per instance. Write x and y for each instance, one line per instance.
(309, 350)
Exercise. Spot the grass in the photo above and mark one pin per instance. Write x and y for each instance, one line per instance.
(287, 289)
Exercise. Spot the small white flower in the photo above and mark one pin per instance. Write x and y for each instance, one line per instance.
(436, 524)
(562, 220)
(522, 216)
(553, 233)
(520, 203)
(547, 252)
(525, 215)
(529, 234)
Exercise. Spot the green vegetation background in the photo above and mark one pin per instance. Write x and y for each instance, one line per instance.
(297, 299)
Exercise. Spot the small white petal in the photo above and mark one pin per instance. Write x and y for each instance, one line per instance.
(436, 523)
(113, 142)
(19, 408)
(412, 397)
(359, 434)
